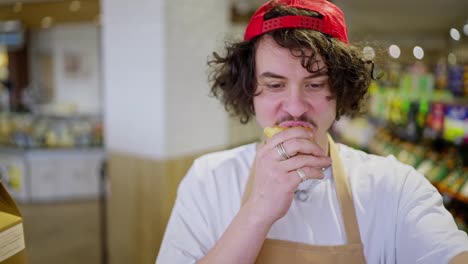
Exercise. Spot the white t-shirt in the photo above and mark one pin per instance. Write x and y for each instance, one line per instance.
(400, 214)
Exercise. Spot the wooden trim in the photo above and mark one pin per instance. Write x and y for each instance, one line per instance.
(32, 13)
(142, 194)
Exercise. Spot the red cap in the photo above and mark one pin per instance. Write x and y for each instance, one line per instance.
(332, 23)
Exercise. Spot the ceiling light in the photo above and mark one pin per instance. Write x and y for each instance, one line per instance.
(17, 7)
(418, 52)
(368, 52)
(452, 59)
(394, 51)
(46, 22)
(455, 34)
(465, 29)
(75, 6)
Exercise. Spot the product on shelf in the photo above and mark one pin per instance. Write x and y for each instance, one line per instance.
(435, 118)
(456, 80)
(459, 218)
(455, 123)
(34, 131)
(440, 75)
(453, 182)
(463, 193)
(411, 154)
(440, 170)
(428, 163)
(392, 147)
(465, 80)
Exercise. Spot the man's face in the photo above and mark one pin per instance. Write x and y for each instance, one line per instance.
(288, 92)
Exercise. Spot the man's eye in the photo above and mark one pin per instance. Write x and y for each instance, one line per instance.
(316, 85)
(274, 85)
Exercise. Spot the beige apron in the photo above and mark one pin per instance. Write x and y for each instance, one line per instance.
(281, 251)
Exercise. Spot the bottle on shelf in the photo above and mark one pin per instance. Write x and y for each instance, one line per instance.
(439, 171)
(463, 193)
(453, 182)
(428, 163)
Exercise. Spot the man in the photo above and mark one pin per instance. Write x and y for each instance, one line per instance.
(299, 197)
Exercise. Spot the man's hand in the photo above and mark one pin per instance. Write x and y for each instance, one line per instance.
(276, 178)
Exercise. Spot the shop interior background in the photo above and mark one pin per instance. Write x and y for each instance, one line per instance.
(105, 104)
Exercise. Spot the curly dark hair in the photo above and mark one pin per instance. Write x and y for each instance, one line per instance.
(234, 80)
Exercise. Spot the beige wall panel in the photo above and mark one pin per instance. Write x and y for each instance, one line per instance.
(143, 192)
(122, 209)
(240, 134)
(33, 13)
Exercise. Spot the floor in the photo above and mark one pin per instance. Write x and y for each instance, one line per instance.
(66, 232)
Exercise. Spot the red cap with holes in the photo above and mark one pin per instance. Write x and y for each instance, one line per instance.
(332, 22)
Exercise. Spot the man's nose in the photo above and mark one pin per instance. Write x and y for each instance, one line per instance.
(296, 104)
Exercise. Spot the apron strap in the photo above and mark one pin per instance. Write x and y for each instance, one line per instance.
(343, 192)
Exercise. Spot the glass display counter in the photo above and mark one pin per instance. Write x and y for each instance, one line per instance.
(50, 158)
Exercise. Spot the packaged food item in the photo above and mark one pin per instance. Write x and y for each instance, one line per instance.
(412, 128)
(392, 147)
(465, 81)
(454, 123)
(12, 246)
(427, 164)
(418, 155)
(440, 73)
(453, 182)
(455, 80)
(405, 154)
(411, 154)
(461, 224)
(463, 193)
(435, 121)
(439, 171)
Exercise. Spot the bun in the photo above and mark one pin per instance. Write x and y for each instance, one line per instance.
(271, 131)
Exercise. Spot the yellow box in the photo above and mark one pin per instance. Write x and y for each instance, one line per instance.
(12, 246)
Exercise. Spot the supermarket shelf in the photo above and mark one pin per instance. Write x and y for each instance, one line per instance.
(451, 194)
(432, 144)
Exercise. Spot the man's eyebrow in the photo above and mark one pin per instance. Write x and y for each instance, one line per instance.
(271, 75)
(317, 74)
(277, 76)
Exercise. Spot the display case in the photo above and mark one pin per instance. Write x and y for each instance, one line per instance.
(50, 158)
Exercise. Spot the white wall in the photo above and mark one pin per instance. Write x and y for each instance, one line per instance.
(134, 76)
(80, 87)
(196, 122)
(155, 82)
(40, 44)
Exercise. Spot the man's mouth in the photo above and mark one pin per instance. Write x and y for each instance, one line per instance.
(296, 124)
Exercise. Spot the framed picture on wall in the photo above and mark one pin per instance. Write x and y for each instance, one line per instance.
(75, 66)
